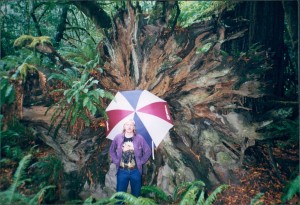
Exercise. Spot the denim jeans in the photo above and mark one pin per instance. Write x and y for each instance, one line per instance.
(124, 176)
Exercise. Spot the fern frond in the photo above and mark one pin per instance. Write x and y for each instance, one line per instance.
(38, 198)
(293, 189)
(156, 191)
(125, 197)
(144, 201)
(212, 197)
(190, 196)
(106, 201)
(19, 174)
(256, 198)
(183, 187)
(201, 199)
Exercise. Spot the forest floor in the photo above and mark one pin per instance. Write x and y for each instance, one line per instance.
(262, 178)
(258, 178)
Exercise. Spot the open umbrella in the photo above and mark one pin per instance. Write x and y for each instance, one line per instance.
(150, 113)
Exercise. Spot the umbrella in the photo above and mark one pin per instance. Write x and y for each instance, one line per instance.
(150, 113)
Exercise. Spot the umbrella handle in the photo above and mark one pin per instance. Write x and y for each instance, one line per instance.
(152, 150)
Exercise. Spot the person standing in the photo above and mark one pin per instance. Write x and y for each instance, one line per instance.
(129, 151)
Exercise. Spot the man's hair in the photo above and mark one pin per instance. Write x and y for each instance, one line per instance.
(133, 122)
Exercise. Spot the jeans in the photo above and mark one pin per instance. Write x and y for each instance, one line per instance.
(124, 176)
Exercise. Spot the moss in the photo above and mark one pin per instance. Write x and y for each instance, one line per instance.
(224, 159)
(31, 42)
(22, 71)
(204, 48)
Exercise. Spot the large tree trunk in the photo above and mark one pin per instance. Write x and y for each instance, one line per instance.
(205, 90)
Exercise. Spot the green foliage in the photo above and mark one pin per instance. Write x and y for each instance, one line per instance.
(80, 100)
(190, 196)
(12, 196)
(212, 197)
(23, 70)
(191, 12)
(184, 194)
(48, 170)
(204, 48)
(85, 55)
(153, 190)
(7, 91)
(291, 189)
(14, 139)
(18, 177)
(286, 128)
(190, 192)
(132, 200)
(15, 153)
(255, 200)
(183, 188)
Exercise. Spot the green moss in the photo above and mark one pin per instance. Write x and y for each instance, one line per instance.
(204, 48)
(22, 71)
(31, 42)
(224, 159)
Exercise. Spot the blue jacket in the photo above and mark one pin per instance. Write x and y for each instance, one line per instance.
(142, 151)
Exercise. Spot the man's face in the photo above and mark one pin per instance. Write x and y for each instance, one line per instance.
(129, 127)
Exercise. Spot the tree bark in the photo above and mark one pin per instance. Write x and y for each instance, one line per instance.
(61, 27)
(95, 12)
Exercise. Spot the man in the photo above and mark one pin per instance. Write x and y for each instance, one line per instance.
(129, 151)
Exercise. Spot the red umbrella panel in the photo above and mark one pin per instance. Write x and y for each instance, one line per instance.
(150, 113)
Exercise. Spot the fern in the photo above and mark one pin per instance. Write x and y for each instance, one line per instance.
(19, 175)
(85, 55)
(212, 197)
(11, 195)
(80, 100)
(201, 199)
(132, 200)
(7, 91)
(38, 198)
(256, 199)
(183, 187)
(159, 194)
(106, 201)
(190, 196)
(48, 170)
(144, 201)
(125, 197)
(292, 189)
